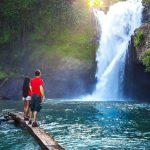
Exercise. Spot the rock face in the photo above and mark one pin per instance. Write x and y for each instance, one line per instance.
(144, 42)
(136, 81)
(68, 80)
(11, 88)
(146, 12)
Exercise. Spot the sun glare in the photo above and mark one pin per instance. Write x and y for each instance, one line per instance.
(95, 3)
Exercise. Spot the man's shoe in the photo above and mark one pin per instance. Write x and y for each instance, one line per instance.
(30, 122)
(34, 124)
(26, 119)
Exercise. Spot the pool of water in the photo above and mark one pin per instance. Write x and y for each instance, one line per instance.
(13, 137)
(84, 125)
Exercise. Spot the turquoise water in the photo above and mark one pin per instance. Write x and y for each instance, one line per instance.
(11, 136)
(84, 126)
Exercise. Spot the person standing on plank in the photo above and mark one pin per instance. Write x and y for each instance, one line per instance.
(37, 97)
(26, 97)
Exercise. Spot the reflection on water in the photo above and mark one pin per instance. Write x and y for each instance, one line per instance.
(86, 126)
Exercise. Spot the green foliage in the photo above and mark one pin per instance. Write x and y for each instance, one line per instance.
(68, 34)
(68, 43)
(147, 2)
(3, 74)
(43, 28)
(138, 38)
(14, 18)
(146, 60)
(5, 37)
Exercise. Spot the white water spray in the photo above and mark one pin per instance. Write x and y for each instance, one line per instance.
(116, 28)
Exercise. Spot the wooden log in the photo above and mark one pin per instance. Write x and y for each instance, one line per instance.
(46, 141)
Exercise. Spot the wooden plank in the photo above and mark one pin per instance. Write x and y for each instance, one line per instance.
(46, 141)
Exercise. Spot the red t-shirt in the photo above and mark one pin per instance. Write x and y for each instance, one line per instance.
(35, 85)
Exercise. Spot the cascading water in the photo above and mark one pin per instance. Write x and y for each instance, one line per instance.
(116, 28)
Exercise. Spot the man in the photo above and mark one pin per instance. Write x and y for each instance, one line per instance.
(37, 97)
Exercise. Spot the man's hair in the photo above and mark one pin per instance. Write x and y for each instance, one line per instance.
(37, 72)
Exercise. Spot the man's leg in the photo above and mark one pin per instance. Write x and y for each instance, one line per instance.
(37, 108)
(35, 116)
(34, 124)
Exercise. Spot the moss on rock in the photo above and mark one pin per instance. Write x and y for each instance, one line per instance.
(138, 38)
(141, 42)
(147, 2)
(146, 60)
(3, 74)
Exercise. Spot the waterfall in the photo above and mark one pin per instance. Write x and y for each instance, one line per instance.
(116, 28)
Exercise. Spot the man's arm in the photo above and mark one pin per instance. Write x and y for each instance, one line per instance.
(42, 92)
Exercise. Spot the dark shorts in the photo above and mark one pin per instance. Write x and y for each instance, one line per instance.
(35, 103)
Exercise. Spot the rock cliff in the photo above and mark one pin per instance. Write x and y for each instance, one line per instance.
(141, 41)
(137, 83)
